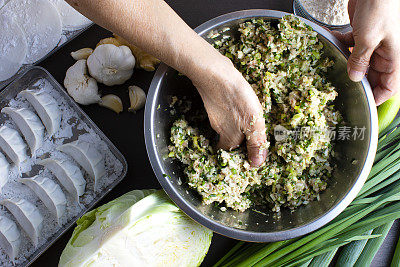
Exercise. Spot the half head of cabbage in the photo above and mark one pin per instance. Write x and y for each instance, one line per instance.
(140, 228)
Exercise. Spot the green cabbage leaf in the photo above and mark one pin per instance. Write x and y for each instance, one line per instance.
(140, 228)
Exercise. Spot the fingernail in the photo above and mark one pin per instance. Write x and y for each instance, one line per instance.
(355, 75)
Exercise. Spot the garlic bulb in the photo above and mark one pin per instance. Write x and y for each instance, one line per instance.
(137, 98)
(112, 102)
(82, 88)
(143, 60)
(110, 64)
(83, 53)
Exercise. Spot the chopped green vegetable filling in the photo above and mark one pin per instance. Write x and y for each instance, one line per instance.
(285, 66)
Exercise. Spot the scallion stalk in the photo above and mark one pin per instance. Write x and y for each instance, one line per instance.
(305, 263)
(323, 260)
(395, 177)
(388, 139)
(303, 245)
(388, 111)
(396, 256)
(373, 245)
(350, 253)
(390, 128)
(386, 152)
(382, 176)
(230, 253)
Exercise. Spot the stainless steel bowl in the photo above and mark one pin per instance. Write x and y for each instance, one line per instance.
(299, 10)
(354, 158)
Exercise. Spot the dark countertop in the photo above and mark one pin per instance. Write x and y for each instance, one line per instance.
(126, 129)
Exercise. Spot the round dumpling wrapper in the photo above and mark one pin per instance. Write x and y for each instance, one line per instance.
(13, 48)
(2, 3)
(71, 19)
(40, 21)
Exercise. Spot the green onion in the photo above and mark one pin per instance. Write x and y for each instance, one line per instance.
(378, 167)
(388, 139)
(321, 251)
(323, 260)
(350, 253)
(396, 256)
(305, 263)
(383, 175)
(386, 152)
(388, 111)
(230, 253)
(382, 185)
(373, 245)
(347, 237)
(265, 250)
(390, 128)
(277, 259)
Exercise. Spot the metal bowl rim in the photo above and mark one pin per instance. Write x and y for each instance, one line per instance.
(235, 233)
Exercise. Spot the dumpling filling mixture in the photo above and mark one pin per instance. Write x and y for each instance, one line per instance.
(284, 64)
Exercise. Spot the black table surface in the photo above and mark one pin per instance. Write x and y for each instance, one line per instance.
(126, 129)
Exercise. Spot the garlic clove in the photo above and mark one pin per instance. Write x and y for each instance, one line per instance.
(112, 102)
(83, 53)
(109, 40)
(137, 98)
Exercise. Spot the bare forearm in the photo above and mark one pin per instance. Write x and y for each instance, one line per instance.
(153, 26)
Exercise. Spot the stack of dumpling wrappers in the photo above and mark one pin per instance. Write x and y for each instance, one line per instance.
(30, 29)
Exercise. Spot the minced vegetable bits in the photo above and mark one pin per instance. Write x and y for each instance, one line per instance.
(284, 64)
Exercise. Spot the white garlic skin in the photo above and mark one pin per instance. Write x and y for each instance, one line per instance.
(137, 98)
(110, 64)
(83, 53)
(80, 86)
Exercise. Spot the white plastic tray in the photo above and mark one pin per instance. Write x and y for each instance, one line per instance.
(81, 124)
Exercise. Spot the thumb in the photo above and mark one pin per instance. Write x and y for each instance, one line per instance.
(358, 62)
(256, 142)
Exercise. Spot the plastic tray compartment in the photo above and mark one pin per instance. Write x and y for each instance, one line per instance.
(28, 80)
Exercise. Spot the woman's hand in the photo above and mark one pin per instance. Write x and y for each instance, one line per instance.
(376, 41)
(233, 108)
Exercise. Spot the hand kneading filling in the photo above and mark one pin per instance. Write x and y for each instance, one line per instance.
(284, 64)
